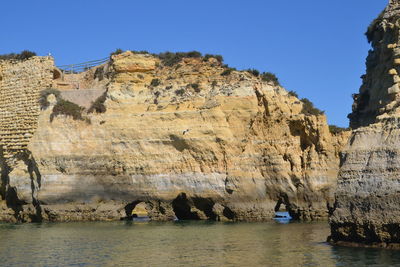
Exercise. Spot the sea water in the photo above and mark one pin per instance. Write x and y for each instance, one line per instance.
(181, 243)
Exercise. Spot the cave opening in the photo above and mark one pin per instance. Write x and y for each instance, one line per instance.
(282, 213)
(205, 205)
(228, 213)
(136, 210)
(182, 208)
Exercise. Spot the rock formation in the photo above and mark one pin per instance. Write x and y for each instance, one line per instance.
(192, 140)
(366, 209)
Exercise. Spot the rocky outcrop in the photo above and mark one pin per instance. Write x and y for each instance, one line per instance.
(366, 209)
(184, 140)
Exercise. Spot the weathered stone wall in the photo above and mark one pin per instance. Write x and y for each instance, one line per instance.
(83, 98)
(20, 85)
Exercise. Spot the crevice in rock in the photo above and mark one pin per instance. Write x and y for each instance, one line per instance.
(205, 205)
(228, 186)
(36, 183)
(10, 194)
(223, 213)
(228, 213)
(5, 180)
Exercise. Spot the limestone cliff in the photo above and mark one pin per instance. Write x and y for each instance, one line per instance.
(193, 140)
(366, 208)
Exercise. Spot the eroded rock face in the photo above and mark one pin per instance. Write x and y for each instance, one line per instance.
(20, 84)
(366, 208)
(188, 142)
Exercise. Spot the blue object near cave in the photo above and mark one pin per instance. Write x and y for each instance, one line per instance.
(282, 217)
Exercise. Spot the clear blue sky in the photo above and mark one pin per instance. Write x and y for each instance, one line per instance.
(316, 47)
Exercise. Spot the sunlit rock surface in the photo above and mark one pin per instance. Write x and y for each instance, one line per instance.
(366, 210)
(184, 140)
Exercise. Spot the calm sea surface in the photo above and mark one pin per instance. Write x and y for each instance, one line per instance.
(180, 244)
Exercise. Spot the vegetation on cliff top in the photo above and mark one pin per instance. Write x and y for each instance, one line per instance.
(255, 72)
(227, 71)
(309, 108)
(26, 54)
(293, 93)
(336, 129)
(170, 59)
(270, 77)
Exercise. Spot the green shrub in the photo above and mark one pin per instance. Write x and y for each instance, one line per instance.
(227, 71)
(219, 58)
(270, 77)
(336, 130)
(117, 52)
(254, 72)
(309, 109)
(155, 82)
(293, 93)
(140, 52)
(67, 108)
(43, 97)
(26, 54)
(98, 105)
(192, 54)
(213, 84)
(169, 59)
(180, 92)
(196, 87)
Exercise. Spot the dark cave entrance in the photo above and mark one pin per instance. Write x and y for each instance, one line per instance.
(136, 209)
(182, 208)
(282, 212)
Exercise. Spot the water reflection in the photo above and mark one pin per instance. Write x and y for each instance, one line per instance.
(180, 244)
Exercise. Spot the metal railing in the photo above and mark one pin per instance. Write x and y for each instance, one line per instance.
(80, 67)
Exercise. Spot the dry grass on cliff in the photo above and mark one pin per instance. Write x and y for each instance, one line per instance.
(67, 108)
(98, 105)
